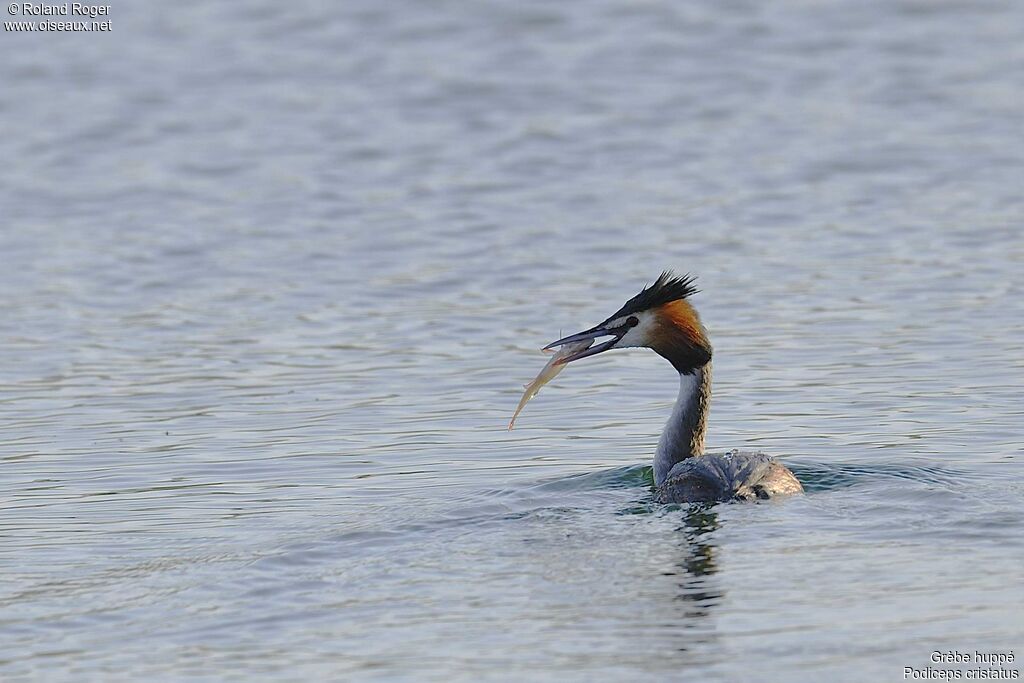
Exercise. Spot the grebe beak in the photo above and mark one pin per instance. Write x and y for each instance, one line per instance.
(602, 330)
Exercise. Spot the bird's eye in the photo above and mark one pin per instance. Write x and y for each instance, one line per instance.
(632, 321)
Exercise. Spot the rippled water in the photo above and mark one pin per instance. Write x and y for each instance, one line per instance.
(275, 274)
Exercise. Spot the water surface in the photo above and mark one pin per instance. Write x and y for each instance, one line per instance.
(276, 273)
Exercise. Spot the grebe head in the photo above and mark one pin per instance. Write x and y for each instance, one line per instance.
(659, 318)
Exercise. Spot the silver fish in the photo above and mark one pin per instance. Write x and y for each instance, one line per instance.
(548, 373)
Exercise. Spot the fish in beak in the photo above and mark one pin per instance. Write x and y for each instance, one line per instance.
(550, 371)
(603, 330)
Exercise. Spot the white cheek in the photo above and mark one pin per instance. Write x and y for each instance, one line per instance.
(639, 335)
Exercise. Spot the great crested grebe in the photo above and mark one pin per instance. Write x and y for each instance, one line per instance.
(660, 318)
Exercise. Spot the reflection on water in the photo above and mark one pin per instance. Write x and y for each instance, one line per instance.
(697, 590)
(698, 522)
(276, 273)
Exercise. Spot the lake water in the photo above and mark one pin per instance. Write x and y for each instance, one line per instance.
(274, 275)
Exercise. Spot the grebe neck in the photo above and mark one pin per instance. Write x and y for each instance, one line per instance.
(684, 434)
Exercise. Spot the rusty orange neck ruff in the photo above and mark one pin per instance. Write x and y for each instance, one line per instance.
(680, 337)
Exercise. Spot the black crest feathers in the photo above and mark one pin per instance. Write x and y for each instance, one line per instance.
(668, 287)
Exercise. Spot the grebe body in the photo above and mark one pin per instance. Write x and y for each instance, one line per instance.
(662, 319)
